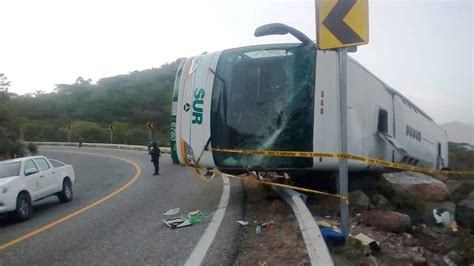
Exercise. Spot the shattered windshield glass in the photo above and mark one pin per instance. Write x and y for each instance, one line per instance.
(263, 99)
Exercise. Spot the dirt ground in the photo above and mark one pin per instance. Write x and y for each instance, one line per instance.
(281, 245)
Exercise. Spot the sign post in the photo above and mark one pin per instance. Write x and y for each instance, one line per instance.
(342, 24)
(150, 126)
(343, 171)
(69, 130)
(111, 128)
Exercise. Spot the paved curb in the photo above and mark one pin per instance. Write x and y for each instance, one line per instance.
(102, 145)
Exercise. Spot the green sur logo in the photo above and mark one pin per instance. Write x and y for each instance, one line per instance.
(198, 106)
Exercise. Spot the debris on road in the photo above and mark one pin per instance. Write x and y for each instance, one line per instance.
(445, 218)
(243, 223)
(258, 230)
(332, 237)
(196, 217)
(171, 212)
(371, 243)
(176, 222)
(323, 224)
(193, 213)
(268, 225)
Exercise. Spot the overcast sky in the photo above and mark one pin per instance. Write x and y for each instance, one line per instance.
(424, 49)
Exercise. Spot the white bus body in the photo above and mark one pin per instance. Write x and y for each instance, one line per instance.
(285, 97)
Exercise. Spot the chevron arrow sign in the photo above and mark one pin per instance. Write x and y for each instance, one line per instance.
(342, 23)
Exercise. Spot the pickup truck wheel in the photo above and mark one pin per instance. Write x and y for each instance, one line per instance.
(24, 208)
(66, 193)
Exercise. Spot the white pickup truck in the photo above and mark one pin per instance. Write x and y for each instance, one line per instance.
(29, 179)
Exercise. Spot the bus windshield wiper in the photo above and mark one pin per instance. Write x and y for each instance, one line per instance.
(222, 95)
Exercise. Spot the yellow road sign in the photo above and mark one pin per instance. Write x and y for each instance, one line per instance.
(112, 127)
(342, 23)
(69, 127)
(149, 125)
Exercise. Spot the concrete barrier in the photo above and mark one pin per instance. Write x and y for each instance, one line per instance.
(165, 150)
(316, 246)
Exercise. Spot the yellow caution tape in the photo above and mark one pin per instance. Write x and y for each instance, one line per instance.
(368, 160)
(200, 173)
(203, 172)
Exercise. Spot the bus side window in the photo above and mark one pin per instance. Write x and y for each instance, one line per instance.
(382, 125)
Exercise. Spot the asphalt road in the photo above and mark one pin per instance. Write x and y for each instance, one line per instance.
(126, 228)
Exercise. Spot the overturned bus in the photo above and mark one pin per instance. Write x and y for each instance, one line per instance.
(284, 97)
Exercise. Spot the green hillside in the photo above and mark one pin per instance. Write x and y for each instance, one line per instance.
(128, 101)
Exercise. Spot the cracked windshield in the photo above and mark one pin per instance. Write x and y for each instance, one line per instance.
(252, 132)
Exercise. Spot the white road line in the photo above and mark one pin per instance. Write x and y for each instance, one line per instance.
(200, 251)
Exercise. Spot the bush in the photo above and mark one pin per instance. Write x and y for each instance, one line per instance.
(89, 132)
(465, 248)
(32, 148)
(461, 192)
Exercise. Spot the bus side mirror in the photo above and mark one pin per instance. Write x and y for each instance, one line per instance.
(281, 29)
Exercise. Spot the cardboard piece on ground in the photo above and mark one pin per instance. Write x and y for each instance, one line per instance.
(367, 241)
(324, 224)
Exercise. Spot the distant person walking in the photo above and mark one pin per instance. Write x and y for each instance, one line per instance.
(155, 157)
(80, 143)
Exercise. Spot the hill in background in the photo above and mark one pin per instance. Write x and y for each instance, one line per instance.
(128, 101)
(459, 132)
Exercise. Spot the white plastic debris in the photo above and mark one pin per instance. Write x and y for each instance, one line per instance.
(172, 212)
(193, 213)
(445, 218)
(244, 223)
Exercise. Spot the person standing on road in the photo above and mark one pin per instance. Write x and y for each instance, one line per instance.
(155, 157)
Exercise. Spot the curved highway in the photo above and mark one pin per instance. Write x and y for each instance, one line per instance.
(116, 215)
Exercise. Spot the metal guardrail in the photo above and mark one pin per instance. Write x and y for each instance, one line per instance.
(316, 246)
(165, 150)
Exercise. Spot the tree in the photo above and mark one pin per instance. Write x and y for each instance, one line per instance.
(38, 92)
(130, 100)
(9, 123)
(4, 83)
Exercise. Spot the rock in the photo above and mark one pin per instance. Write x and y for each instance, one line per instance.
(441, 177)
(368, 261)
(468, 202)
(358, 201)
(471, 195)
(380, 202)
(465, 212)
(415, 186)
(434, 259)
(428, 218)
(408, 240)
(386, 220)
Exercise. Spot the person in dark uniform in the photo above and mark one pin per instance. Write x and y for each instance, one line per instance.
(155, 157)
